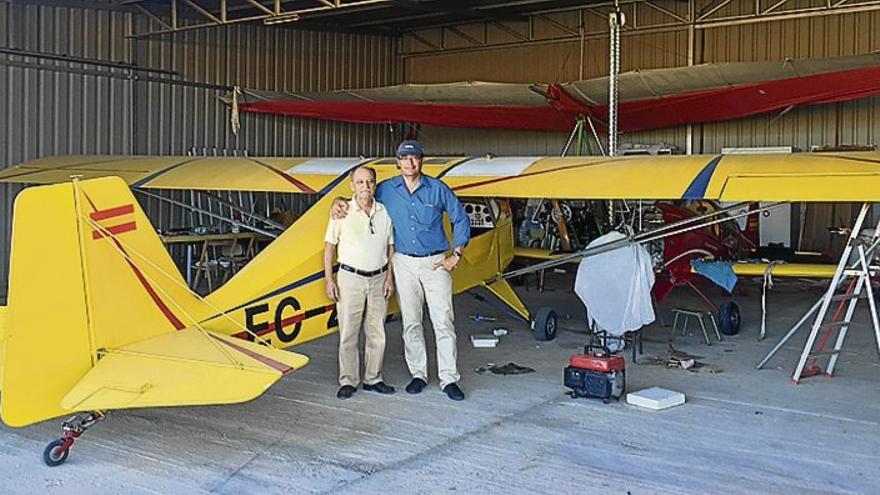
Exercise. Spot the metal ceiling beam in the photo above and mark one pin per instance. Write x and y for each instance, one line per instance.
(387, 20)
(509, 30)
(219, 14)
(262, 7)
(413, 10)
(562, 27)
(666, 11)
(673, 22)
(198, 8)
(512, 3)
(155, 18)
(461, 34)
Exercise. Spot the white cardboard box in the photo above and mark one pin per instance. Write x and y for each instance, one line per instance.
(484, 341)
(655, 398)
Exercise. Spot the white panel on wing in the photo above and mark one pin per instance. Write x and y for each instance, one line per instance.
(507, 166)
(325, 166)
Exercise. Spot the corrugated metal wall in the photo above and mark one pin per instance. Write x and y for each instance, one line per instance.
(846, 34)
(855, 122)
(59, 107)
(50, 107)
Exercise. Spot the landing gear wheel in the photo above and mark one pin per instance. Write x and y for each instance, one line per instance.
(55, 454)
(729, 318)
(544, 325)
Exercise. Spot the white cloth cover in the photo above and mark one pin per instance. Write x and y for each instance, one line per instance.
(616, 286)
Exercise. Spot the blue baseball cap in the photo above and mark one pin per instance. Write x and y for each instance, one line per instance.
(410, 147)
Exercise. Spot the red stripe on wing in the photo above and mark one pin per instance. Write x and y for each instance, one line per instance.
(278, 365)
(112, 212)
(113, 230)
(299, 184)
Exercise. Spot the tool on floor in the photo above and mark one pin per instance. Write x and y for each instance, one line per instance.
(858, 275)
(479, 317)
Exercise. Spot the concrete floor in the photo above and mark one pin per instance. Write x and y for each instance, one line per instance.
(741, 431)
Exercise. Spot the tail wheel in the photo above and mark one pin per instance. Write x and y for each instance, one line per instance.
(544, 325)
(729, 318)
(55, 453)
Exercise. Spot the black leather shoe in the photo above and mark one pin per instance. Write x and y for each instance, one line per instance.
(380, 387)
(345, 392)
(453, 392)
(416, 386)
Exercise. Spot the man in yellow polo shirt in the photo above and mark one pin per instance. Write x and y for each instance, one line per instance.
(364, 283)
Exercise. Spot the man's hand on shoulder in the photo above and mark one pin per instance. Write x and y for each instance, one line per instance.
(339, 208)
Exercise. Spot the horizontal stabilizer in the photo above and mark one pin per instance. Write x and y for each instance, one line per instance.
(189, 367)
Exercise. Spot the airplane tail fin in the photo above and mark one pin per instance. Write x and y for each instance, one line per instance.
(89, 280)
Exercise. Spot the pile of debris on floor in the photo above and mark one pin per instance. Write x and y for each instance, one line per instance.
(679, 359)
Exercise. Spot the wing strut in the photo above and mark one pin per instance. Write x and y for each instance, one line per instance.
(670, 230)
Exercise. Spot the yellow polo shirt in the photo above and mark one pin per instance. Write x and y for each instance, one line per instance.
(357, 244)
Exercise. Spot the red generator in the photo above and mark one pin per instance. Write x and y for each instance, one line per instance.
(596, 374)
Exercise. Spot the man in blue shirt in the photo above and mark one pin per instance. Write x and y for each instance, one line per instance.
(416, 204)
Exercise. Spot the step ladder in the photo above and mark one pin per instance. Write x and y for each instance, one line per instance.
(845, 289)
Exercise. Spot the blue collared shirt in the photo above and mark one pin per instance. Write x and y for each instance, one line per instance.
(417, 218)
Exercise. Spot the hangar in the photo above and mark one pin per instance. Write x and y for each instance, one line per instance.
(169, 166)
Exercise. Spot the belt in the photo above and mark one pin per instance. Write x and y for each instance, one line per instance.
(362, 273)
(422, 255)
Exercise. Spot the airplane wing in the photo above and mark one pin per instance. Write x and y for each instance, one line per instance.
(189, 367)
(649, 99)
(296, 175)
(792, 177)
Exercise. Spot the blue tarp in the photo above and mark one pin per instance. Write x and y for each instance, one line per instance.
(720, 272)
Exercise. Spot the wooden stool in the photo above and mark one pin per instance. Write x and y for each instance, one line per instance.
(699, 315)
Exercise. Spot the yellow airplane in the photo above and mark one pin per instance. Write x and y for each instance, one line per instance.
(99, 317)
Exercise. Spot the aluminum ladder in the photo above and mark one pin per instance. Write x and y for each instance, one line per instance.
(846, 288)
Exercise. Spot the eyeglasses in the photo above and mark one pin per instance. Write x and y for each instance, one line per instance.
(372, 228)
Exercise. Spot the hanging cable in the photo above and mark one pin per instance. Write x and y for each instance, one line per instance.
(616, 20)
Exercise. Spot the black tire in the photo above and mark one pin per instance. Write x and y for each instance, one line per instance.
(53, 456)
(544, 325)
(729, 318)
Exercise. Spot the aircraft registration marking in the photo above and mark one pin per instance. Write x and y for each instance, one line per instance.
(277, 324)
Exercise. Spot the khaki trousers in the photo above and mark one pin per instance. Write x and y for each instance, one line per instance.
(361, 299)
(418, 282)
